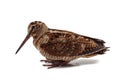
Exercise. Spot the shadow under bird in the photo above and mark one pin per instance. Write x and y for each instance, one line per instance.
(59, 47)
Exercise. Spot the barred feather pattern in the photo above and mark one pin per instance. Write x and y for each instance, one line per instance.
(64, 45)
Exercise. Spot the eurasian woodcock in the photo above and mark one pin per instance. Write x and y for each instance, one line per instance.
(59, 47)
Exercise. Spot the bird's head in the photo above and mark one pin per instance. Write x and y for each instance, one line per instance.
(35, 29)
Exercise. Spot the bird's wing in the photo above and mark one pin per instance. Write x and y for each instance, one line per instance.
(63, 43)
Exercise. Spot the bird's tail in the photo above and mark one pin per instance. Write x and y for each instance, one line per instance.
(96, 52)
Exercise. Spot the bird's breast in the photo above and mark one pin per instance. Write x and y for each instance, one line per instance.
(41, 40)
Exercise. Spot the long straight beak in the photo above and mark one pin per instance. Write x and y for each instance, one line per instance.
(24, 41)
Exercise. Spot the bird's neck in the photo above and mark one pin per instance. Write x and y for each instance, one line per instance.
(39, 35)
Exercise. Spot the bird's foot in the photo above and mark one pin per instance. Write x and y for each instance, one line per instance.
(54, 63)
(50, 65)
(46, 61)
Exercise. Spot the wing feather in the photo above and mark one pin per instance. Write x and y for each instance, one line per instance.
(65, 43)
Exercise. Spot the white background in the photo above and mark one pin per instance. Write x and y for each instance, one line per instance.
(95, 18)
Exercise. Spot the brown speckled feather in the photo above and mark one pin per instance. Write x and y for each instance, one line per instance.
(65, 43)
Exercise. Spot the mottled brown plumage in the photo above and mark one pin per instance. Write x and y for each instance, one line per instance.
(60, 46)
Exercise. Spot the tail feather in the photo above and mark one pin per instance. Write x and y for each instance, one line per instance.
(95, 52)
(92, 51)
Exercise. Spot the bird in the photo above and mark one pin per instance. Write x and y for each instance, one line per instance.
(59, 47)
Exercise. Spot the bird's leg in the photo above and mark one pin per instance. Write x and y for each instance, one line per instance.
(46, 61)
(55, 63)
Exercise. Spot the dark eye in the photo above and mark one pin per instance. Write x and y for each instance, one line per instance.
(35, 28)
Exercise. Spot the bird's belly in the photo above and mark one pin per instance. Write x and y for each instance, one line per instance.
(55, 57)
